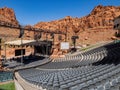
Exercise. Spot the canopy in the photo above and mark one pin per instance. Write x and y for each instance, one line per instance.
(19, 42)
(28, 42)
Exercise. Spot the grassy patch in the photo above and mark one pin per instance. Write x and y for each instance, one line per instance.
(8, 86)
(86, 48)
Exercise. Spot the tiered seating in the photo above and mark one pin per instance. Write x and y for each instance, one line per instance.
(6, 76)
(77, 78)
(85, 58)
(28, 61)
(97, 69)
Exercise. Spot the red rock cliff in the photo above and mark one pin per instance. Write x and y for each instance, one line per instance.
(8, 15)
(100, 18)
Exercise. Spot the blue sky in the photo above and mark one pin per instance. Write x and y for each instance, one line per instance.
(33, 11)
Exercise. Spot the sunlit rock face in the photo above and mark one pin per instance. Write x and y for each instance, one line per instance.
(92, 28)
(100, 19)
(8, 15)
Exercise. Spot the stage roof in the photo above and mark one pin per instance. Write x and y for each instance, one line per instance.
(27, 42)
(19, 42)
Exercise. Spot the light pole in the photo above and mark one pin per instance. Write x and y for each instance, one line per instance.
(67, 21)
(0, 55)
(52, 45)
(66, 34)
(0, 46)
(5, 50)
(21, 36)
(73, 38)
(46, 45)
(21, 51)
(52, 37)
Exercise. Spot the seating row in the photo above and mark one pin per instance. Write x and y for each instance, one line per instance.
(97, 69)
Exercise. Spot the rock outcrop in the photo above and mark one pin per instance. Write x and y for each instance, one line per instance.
(100, 18)
(8, 15)
(95, 27)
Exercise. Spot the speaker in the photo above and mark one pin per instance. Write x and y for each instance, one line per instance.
(39, 35)
(21, 32)
(0, 43)
(59, 37)
(52, 35)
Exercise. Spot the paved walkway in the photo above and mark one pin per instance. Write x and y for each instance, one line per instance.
(17, 85)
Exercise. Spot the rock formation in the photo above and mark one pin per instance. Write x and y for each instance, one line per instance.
(100, 18)
(95, 27)
(8, 15)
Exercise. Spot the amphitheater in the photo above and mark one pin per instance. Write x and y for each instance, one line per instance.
(95, 69)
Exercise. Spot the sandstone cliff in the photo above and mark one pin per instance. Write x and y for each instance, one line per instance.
(8, 15)
(93, 28)
(99, 19)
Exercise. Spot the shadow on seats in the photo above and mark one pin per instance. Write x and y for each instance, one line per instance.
(113, 55)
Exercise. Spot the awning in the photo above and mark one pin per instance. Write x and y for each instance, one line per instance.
(28, 42)
(19, 42)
